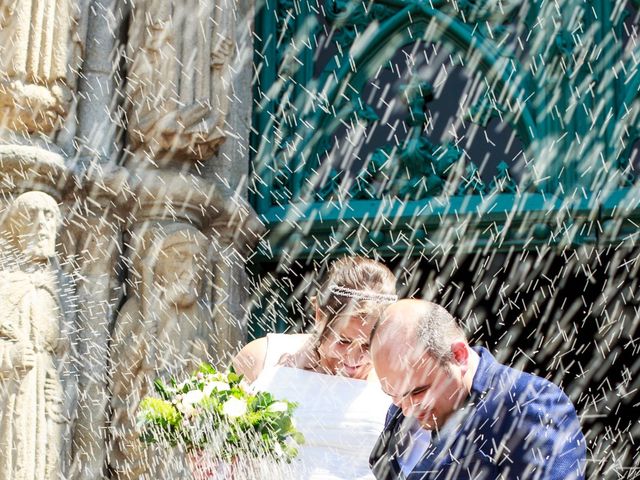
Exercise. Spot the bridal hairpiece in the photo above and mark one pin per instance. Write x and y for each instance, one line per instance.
(363, 294)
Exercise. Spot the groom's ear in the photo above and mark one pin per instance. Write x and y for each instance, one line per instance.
(460, 354)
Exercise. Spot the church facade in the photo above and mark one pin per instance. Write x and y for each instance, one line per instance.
(172, 171)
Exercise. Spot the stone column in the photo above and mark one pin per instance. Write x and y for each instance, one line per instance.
(96, 228)
(232, 240)
(97, 127)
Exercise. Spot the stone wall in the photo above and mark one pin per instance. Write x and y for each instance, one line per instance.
(124, 132)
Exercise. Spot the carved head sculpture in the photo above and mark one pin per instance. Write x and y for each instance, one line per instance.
(172, 265)
(31, 225)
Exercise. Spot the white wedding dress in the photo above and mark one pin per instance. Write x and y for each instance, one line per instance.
(340, 418)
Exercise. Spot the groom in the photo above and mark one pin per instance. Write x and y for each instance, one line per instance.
(458, 413)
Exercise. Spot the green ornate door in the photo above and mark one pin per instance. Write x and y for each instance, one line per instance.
(400, 117)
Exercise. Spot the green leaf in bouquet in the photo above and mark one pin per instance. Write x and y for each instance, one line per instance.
(284, 424)
(298, 437)
(254, 418)
(234, 378)
(206, 369)
(291, 452)
(162, 389)
(263, 400)
(159, 412)
(291, 407)
(210, 404)
(266, 439)
(158, 421)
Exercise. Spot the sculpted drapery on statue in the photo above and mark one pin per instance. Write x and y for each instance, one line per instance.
(178, 82)
(39, 57)
(31, 394)
(162, 330)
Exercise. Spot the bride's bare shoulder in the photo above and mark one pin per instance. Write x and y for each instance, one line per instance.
(250, 360)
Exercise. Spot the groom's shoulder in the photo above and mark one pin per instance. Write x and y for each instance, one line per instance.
(530, 399)
(524, 387)
(393, 413)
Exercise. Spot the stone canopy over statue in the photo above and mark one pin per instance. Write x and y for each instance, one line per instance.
(31, 347)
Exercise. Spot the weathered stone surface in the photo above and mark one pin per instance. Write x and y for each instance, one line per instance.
(97, 242)
(24, 168)
(124, 138)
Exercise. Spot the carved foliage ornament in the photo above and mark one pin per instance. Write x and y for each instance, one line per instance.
(40, 52)
(178, 80)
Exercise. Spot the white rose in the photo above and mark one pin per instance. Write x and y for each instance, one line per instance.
(277, 407)
(218, 386)
(234, 407)
(192, 397)
(278, 450)
(181, 385)
(186, 410)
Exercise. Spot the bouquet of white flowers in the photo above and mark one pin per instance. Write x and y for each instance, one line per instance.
(216, 411)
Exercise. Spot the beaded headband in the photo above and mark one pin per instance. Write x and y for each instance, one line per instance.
(363, 294)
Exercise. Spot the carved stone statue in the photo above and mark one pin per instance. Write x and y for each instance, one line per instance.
(162, 330)
(178, 81)
(39, 55)
(31, 394)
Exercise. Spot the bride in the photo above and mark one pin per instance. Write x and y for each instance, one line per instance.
(329, 372)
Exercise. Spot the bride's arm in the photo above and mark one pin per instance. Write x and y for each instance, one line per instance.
(250, 360)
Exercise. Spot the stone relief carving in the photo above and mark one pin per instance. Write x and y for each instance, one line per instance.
(32, 418)
(55, 308)
(178, 80)
(40, 51)
(162, 330)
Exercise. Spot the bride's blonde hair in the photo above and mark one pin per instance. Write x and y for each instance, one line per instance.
(357, 286)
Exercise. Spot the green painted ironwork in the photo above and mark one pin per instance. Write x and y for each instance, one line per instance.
(557, 73)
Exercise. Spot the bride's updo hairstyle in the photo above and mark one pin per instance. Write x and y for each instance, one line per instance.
(354, 286)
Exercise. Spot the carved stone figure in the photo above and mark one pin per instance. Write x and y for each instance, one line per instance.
(31, 394)
(39, 56)
(178, 81)
(162, 330)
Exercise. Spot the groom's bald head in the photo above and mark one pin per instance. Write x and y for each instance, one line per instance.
(415, 325)
(422, 359)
